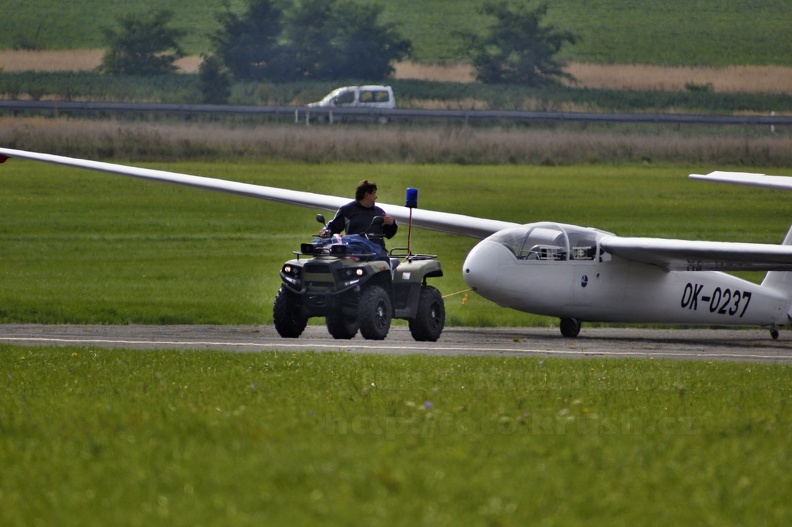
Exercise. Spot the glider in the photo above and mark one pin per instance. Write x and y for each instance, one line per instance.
(577, 274)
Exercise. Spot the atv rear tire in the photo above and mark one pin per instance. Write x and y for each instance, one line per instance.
(341, 326)
(374, 313)
(289, 322)
(429, 320)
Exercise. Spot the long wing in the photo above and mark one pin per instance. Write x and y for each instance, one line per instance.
(680, 255)
(747, 178)
(686, 255)
(425, 219)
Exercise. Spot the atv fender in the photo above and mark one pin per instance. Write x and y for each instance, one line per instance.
(416, 271)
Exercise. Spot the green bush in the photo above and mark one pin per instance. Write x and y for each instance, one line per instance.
(314, 39)
(519, 47)
(143, 45)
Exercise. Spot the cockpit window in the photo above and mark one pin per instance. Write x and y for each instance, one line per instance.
(549, 242)
(544, 243)
(512, 239)
(535, 242)
(582, 245)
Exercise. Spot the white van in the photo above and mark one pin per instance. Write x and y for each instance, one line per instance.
(358, 97)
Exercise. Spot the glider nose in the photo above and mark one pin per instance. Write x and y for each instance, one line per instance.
(482, 267)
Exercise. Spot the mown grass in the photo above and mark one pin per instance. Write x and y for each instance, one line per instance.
(613, 32)
(92, 436)
(81, 247)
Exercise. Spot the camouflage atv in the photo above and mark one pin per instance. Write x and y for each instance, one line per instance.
(355, 287)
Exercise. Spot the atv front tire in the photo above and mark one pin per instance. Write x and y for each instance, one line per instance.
(289, 322)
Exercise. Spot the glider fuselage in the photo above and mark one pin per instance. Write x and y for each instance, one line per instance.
(562, 271)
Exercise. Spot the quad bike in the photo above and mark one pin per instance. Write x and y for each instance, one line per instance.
(357, 286)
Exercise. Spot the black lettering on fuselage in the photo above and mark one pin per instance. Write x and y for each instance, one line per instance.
(690, 296)
(722, 301)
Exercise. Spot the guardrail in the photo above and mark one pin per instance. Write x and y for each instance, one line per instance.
(304, 114)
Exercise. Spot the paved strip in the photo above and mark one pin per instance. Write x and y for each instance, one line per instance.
(751, 345)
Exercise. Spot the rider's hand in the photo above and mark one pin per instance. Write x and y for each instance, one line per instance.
(325, 233)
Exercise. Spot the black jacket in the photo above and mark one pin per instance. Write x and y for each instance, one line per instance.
(354, 218)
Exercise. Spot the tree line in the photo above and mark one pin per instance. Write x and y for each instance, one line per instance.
(292, 40)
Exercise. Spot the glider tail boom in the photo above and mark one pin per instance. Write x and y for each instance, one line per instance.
(781, 280)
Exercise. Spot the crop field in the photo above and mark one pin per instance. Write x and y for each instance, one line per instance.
(612, 32)
(636, 77)
(631, 57)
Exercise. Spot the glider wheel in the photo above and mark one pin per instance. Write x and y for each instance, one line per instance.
(570, 327)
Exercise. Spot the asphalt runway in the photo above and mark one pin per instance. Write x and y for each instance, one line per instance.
(749, 345)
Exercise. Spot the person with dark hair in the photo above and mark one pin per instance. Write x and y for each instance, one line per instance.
(357, 217)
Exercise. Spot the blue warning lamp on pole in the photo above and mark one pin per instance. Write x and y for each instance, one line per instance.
(411, 202)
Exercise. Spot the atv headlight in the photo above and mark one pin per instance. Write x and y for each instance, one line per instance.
(351, 275)
(291, 274)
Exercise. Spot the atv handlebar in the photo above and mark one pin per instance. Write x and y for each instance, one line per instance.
(327, 233)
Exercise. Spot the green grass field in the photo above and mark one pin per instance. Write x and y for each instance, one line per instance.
(113, 437)
(612, 31)
(81, 247)
(90, 436)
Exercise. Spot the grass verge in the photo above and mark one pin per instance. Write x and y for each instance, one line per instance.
(495, 143)
(92, 436)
